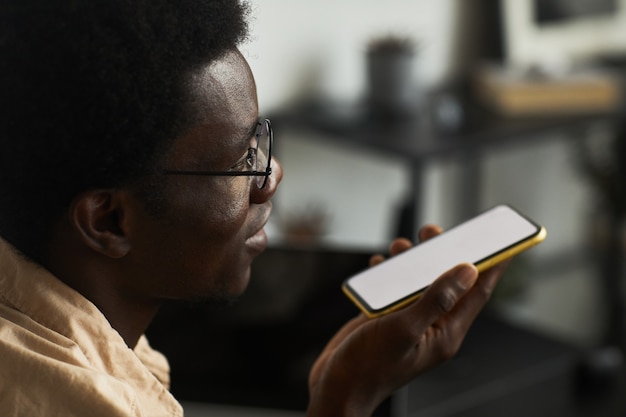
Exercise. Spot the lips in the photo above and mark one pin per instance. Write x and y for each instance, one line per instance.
(258, 241)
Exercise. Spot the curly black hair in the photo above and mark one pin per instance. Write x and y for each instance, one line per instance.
(92, 92)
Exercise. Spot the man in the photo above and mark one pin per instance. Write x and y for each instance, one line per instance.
(134, 169)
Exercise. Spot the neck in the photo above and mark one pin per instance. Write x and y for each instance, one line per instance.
(128, 315)
(99, 280)
(130, 319)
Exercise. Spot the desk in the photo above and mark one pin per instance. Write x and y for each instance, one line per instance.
(420, 141)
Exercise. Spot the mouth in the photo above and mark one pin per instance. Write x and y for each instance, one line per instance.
(257, 242)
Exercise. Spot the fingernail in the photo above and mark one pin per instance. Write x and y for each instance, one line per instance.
(467, 275)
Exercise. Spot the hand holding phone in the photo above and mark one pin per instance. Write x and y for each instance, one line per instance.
(368, 360)
(485, 240)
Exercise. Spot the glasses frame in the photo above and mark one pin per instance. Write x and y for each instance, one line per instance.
(264, 174)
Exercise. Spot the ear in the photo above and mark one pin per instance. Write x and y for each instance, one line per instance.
(97, 216)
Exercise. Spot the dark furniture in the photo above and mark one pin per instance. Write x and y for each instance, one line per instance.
(506, 370)
(258, 351)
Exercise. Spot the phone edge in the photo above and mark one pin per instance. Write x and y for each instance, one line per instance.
(534, 240)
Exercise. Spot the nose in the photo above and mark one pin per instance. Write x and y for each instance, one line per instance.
(261, 195)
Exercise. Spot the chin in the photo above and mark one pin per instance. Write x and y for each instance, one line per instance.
(239, 286)
(227, 286)
(232, 287)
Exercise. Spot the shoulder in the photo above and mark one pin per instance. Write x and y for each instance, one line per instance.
(49, 376)
(45, 373)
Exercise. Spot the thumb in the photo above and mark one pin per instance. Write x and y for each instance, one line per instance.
(443, 295)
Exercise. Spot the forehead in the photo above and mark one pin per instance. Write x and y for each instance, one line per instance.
(223, 88)
(223, 107)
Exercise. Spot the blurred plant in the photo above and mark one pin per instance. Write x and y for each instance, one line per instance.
(305, 226)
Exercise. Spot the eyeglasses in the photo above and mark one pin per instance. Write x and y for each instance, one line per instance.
(258, 161)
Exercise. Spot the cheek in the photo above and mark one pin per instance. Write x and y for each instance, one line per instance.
(216, 212)
(209, 228)
(221, 216)
(198, 247)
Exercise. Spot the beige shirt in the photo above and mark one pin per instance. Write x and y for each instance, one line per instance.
(59, 356)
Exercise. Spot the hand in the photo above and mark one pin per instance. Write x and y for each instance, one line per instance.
(368, 359)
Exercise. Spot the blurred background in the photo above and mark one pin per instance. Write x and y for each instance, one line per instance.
(388, 115)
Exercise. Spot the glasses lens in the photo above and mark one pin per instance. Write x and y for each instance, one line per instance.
(263, 151)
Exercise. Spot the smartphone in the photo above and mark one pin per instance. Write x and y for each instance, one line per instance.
(485, 240)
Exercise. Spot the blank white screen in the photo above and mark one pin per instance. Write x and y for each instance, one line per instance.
(472, 241)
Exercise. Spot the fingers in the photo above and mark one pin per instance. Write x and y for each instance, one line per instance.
(432, 309)
(437, 301)
(444, 294)
(401, 244)
(429, 231)
(454, 301)
(376, 259)
(490, 278)
(479, 295)
(396, 247)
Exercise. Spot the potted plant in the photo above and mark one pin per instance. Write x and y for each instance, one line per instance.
(390, 63)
